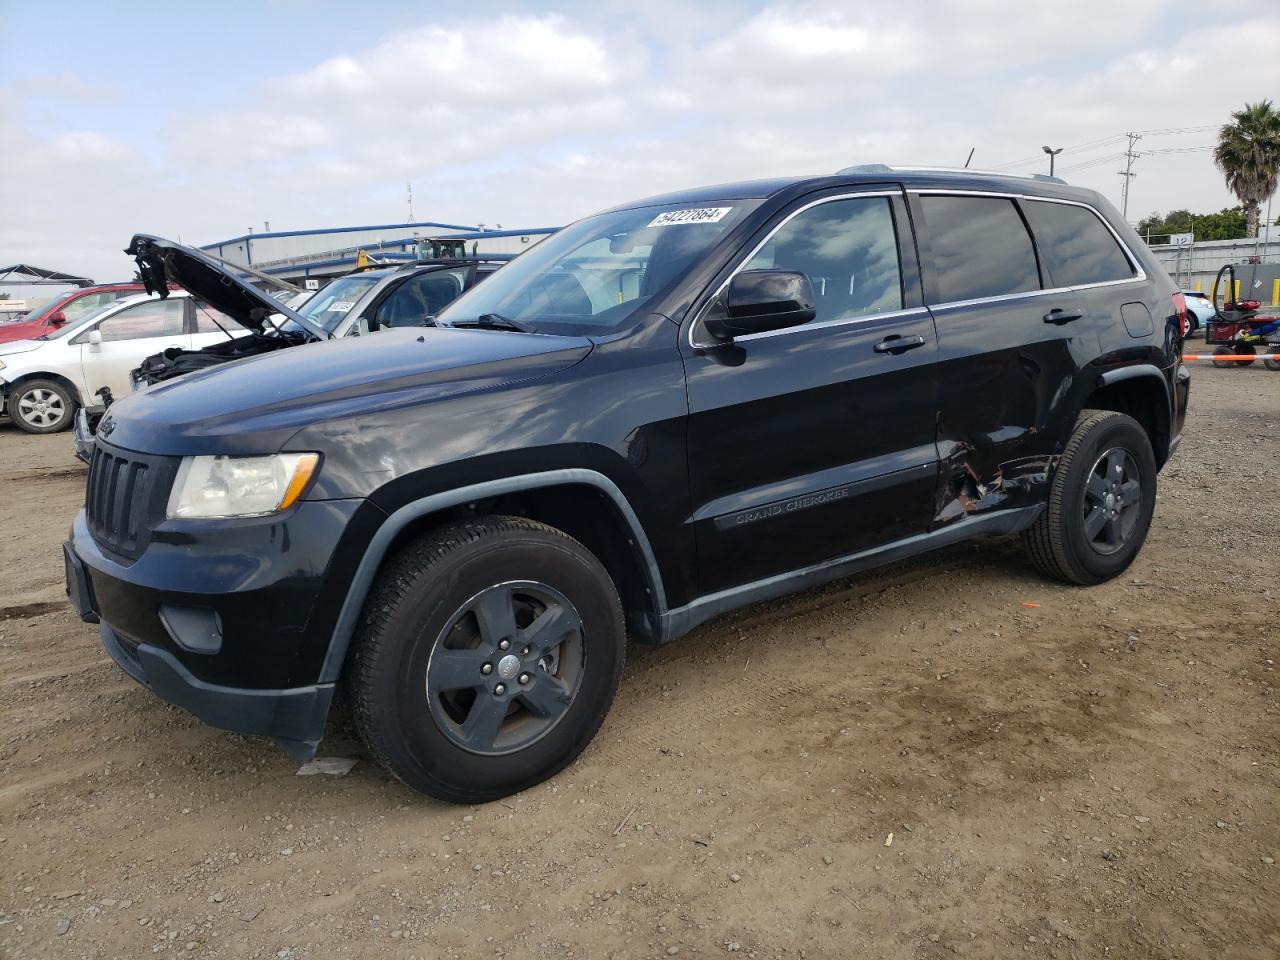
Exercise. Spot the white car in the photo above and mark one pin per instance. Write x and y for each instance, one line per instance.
(44, 381)
(1200, 310)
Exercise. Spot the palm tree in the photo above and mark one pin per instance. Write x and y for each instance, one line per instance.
(1248, 154)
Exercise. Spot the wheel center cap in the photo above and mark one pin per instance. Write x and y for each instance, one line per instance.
(1110, 501)
(508, 666)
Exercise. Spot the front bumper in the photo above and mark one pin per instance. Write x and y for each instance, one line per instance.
(230, 620)
(294, 718)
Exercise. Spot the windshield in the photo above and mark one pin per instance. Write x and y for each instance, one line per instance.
(594, 276)
(330, 306)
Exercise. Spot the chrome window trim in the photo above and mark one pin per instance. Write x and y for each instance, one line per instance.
(839, 322)
(697, 320)
(1140, 275)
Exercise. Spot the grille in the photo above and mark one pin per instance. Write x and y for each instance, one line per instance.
(126, 497)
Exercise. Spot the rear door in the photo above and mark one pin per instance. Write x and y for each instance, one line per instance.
(1009, 348)
(813, 442)
(129, 337)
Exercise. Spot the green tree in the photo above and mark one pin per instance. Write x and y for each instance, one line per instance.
(1229, 223)
(1248, 154)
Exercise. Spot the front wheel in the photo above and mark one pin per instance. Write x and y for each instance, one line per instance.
(489, 654)
(41, 406)
(1100, 501)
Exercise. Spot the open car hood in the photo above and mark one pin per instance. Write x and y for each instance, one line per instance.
(161, 262)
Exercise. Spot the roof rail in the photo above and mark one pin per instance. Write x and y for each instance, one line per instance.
(886, 168)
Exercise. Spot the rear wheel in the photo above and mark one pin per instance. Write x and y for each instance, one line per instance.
(1273, 365)
(1223, 352)
(1245, 350)
(1100, 502)
(41, 406)
(489, 654)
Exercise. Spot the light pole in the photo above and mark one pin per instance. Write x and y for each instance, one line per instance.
(1052, 153)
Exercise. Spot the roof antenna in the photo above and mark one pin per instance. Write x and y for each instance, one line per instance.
(966, 163)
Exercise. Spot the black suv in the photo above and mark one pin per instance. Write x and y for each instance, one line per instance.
(662, 412)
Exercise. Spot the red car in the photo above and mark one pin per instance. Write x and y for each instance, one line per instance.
(69, 306)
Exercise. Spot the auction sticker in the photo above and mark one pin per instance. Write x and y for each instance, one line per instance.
(700, 215)
(341, 306)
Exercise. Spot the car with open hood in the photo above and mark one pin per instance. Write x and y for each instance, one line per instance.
(659, 414)
(359, 303)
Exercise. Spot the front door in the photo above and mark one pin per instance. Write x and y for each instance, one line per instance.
(128, 338)
(817, 441)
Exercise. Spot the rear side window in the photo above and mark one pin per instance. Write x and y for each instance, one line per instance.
(1076, 246)
(981, 248)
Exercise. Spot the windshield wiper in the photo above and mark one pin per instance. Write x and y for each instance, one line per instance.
(494, 321)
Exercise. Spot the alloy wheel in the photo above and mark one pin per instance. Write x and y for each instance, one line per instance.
(1112, 501)
(506, 667)
(41, 407)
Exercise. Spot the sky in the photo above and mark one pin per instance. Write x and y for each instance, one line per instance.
(199, 121)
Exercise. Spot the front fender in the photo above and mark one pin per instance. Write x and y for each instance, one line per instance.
(414, 510)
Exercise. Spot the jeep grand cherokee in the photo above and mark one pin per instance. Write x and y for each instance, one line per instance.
(663, 412)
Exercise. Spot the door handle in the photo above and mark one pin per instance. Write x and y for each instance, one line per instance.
(896, 343)
(1059, 316)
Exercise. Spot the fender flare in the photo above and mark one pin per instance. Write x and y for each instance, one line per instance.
(377, 549)
(1144, 370)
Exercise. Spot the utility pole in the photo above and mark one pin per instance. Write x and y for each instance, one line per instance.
(1127, 173)
(409, 189)
(1052, 154)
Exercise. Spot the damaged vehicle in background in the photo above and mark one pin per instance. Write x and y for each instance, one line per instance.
(362, 302)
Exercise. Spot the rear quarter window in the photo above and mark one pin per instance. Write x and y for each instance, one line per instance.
(981, 248)
(1076, 246)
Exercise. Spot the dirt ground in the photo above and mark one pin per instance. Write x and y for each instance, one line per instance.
(1062, 772)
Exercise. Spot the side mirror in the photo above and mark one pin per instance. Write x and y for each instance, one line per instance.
(95, 338)
(761, 300)
(58, 319)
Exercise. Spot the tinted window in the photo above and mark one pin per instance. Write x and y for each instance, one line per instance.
(981, 248)
(1075, 245)
(849, 251)
(156, 318)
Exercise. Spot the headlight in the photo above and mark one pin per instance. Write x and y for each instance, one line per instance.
(240, 486)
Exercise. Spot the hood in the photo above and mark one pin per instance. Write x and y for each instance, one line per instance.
(20, 346)
(161, 262)
(256, 404)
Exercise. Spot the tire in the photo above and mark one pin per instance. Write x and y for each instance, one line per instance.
(438, 615)
(1075, 540)
(1245, 350)
(1224, 352)
(42, 406)
(1272, 365)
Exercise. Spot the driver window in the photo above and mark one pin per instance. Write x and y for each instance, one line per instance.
(849, 251)
(154, 318)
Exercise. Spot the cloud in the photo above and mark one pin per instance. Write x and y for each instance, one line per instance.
(537, 120)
